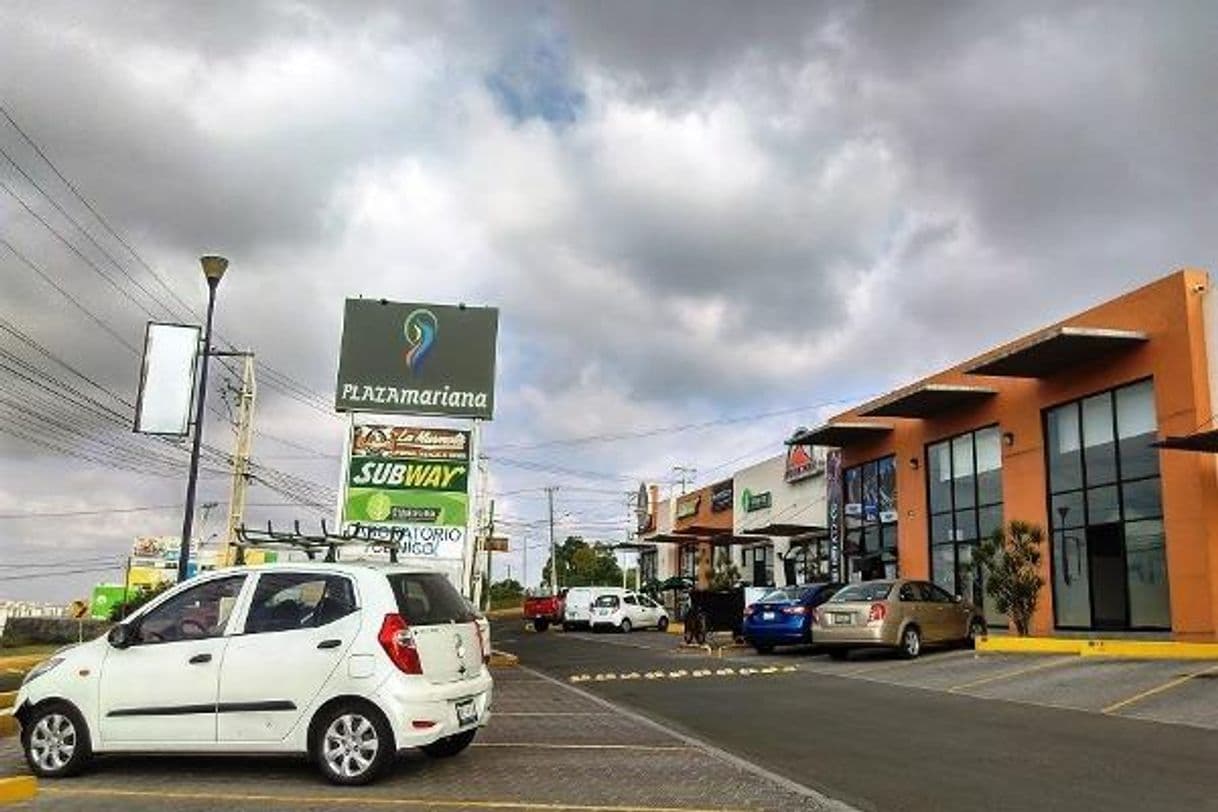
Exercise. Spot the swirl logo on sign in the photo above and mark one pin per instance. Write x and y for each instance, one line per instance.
(420, 328)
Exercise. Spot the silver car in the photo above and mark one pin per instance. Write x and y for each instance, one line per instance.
(899, 614)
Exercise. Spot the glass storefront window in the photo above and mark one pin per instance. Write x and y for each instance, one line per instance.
(1105, 505)
(969, 468)
(870, 544)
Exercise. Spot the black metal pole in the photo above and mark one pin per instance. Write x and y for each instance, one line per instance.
(192, 480)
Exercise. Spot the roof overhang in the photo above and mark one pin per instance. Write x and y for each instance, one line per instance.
(840, 435)
(1052, 351)
(927, 400)
(1205, 442)
(715, 539)
(786, 530)
(633, 546)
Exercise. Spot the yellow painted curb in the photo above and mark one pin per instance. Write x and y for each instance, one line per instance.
(21, 663)
(1031, 645)
(7, 698)
(501, 659)
(20, 788)
(676, 627)
(1151, 649)
(8, 725)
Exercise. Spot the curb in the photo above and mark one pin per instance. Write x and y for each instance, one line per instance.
(18, 788)
(22, 662)
(1134, 649)
(8, 725)
(502, 659)
(7, 699)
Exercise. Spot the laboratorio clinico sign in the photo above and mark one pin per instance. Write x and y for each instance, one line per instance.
(409, 486)
(418, 359)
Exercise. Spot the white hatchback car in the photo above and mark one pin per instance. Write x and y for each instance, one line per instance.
(624, 610)
(346, 663)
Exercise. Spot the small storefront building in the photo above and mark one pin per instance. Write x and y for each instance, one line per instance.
(780, 502)
(702, 525)
(1098, 429)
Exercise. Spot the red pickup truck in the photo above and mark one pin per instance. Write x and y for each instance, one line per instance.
(542, 610)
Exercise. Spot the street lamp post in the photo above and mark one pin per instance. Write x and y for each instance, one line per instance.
(213, 270)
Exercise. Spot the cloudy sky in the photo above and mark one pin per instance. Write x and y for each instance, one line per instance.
(687, 213)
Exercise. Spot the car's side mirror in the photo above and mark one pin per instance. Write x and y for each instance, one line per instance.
(121, 636)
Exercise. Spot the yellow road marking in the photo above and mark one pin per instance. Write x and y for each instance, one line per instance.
(350, 800)
(885, 666)
(1013, 673)
(649, 748)
(18, 788)
(1167, 686)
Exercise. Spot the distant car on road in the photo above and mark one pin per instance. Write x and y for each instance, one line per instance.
(899, 614)
(577, 607)
(625, 610)
(542, 610)
(783, 617)
(345, 663)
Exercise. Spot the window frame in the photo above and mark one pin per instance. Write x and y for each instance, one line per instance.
(865, 549)
(1082, 490)
(136, 622)
(243, 629)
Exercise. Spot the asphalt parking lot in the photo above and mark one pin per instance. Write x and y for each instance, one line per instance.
(549, 747)
(1168, 691)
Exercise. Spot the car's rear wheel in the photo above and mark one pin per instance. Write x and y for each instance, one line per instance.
(353, 744)
(450, 745)
(625, 626)
(662, 625)
(540, 625)
(911, 642)
(55, 740)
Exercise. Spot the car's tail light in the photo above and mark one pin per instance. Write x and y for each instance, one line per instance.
(748, 610)
(877, 614)
(795, 610)
(486, 655)
(397, 639)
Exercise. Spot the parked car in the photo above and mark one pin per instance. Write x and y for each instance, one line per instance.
(783, 617)
(900, 614)
(577, 608)
(625, 610)
(542, 610)
(345, 663)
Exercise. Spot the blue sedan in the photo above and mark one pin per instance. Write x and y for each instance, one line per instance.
(784, 617)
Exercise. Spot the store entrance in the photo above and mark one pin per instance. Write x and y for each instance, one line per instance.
(1106, 569)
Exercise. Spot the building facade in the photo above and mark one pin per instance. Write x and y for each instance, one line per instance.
(1095, 429)
(780, 502)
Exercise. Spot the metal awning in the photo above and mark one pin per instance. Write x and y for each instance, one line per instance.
(927, 400)
(786, 530)
(840, 435)
(1205, 442)
(633, 546)
(717, 539)
(1055, 350)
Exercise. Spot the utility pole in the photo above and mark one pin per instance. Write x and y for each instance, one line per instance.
(685, 475)
(241, 458)
(486, 540)
(553, 550)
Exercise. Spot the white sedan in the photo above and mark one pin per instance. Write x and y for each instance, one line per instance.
(345, 663)
(625, 611)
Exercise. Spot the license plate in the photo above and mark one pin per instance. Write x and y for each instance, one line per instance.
(467, 713)
(767, 615)
(840, 619)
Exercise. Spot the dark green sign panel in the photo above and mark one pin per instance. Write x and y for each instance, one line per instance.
(415, 358)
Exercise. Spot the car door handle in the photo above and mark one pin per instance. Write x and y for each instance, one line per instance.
(199, 658)
(330, 644)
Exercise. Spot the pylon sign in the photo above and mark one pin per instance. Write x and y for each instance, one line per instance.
(417, 359)
(410, 486)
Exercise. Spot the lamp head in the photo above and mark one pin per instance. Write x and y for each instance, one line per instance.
(213, 268)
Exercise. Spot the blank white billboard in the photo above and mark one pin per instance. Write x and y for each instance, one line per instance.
(167, 379)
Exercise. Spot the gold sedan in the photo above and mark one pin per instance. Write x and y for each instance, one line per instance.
(899, 614)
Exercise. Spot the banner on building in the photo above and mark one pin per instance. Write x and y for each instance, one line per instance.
(802, 463)
(409, 486)
(418, 359)
(722, 495)
(833, 503)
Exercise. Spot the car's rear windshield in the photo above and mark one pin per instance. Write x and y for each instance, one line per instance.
(427, 598)
(607, 601)
(781, 595)
(874, 591)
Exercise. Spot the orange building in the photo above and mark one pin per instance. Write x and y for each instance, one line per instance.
(1089, 428)
(702, 521)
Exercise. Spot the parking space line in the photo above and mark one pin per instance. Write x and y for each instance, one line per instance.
(351, 800)
(1167, 686)
(871, 669)
(645, 748)
(1013, 673)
